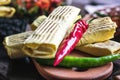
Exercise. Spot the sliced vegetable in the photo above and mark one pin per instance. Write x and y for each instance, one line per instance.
(81, 62)
(70, 42)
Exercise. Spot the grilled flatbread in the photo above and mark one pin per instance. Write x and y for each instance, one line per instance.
(37, 22)
(45, 40)
(7, 11)
(100, 29)
(15, 43)
(40, 19)
(101, 48)
(5, 2)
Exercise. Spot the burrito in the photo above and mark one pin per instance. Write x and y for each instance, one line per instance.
(100, 29)
(6, 11)
(5, 2)
(37, 22)
(101, 48)
(14, 44)
(45, 40)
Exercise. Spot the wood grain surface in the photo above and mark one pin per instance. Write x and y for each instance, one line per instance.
(59, 73)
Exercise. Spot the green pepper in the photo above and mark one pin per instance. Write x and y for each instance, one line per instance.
(81, 62)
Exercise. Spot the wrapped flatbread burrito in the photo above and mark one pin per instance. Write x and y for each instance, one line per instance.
(14, 44)
(45, 40)
(5, 2)
(37, 22)
(101, 48)
(7, 11)
(100, 29)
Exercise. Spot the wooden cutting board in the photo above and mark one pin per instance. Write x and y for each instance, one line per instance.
(58, 73)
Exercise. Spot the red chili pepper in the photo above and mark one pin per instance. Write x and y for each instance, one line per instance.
(70, 41)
